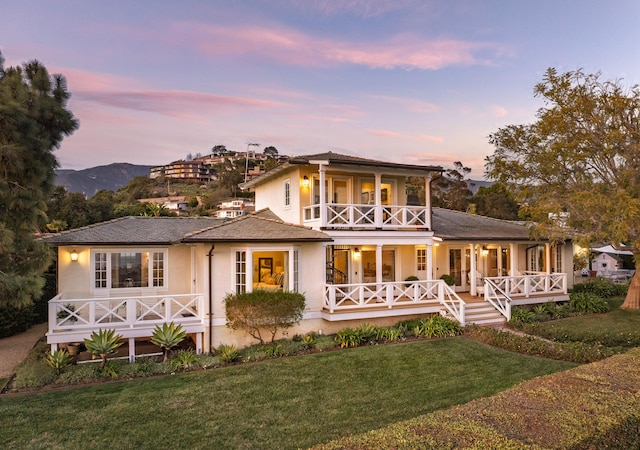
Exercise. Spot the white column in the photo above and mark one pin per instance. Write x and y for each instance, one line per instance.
(322, 188)
(430, 265)
(427, 201)
(379, 263)
(378, 200)
(514, 260)
(132, 350)
(472, 270)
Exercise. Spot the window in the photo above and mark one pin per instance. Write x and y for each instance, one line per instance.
(421, 259)
(129, 269)
(287, 193)
(241, 272)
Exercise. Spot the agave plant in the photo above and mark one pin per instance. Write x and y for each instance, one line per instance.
(103, 343)
(167, 337)
(58, 360)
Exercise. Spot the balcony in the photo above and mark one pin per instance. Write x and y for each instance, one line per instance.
(390, 217)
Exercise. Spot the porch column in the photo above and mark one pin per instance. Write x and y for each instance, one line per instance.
(472, 271)
(132, 350)
(323, 194)
(427, 201)
(378, 200)
(379, 263)
(547, 257)
(430, 274)
(513, 271)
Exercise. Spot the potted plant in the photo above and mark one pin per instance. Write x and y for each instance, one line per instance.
(67, 311)
(410, 278)
(449, 279)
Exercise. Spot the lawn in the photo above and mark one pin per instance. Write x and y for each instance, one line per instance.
(282, 403)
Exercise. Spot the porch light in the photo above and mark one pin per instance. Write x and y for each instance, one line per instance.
(74, 255)
(305, 181)
(356, 253)
(485, 251)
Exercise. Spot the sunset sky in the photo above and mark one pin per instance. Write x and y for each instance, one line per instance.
(408, 81)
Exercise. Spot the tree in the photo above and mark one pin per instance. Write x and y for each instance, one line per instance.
(495, 201)
(270, 151)
(33, 121)
(450, 191)
(575, 169)
(256, 311)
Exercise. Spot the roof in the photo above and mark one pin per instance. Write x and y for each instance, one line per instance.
(257, 228)
(263, 226)
(338, 159)
(139, 230)
(456, 225)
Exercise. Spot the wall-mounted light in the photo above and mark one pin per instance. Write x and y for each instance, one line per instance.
(485, 251)
(305, 181)
(74, 255)
(356, 253)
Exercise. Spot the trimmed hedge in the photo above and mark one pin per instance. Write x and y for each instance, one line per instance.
(591, 406)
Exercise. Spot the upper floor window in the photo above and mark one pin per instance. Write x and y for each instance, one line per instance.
(287, 193)
(421, 259)
(129, 269)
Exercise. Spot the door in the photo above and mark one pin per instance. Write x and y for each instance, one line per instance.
(458, 268)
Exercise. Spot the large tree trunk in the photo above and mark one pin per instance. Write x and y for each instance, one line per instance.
(632, 301)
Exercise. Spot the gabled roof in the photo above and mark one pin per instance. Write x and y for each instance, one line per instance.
(453, 225)
(338, 159)
(138, 230)
(257, 228)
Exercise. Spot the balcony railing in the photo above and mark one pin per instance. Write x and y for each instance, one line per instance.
(369, 216)
(68, 314)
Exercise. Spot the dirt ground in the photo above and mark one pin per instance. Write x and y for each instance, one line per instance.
(14, 349)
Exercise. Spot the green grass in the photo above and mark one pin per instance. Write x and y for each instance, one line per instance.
(282, 403)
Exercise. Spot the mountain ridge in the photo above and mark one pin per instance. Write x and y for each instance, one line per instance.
(93, 179)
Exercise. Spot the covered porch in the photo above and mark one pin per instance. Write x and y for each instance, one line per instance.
(74, 319)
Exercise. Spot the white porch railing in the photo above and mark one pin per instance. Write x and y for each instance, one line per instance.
(369, 216)
(534, 284)
(497, 297)
(69, 314)
(363, 296)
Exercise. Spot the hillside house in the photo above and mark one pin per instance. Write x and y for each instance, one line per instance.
(339, 229)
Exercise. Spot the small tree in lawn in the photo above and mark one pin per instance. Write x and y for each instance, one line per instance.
(167, 337)
(103, 343)
(259, 311)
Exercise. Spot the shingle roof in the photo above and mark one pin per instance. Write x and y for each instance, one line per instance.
(262, 226)
(133, 230)
(257, 228)
(337, 158)
(456, 225)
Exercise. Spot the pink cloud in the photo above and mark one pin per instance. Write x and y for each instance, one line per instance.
(412, 105)
(406, 51)
(498, 111)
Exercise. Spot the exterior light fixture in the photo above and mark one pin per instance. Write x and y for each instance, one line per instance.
(485, 251)
(356, 253)
(74, 255)
(305, 181)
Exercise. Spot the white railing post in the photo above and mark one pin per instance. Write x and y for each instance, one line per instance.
(131, 312)
(389, 296)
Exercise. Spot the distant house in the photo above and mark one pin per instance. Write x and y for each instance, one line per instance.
(236, 207)
(184, 170)
(175, 203)
(338, 228)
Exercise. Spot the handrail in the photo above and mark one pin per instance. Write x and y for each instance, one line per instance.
(368, 216)
(450, 299)
(498, 298)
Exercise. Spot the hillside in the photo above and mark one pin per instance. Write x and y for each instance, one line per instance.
(91, 180)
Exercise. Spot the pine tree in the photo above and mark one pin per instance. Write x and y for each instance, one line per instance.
(33, 122)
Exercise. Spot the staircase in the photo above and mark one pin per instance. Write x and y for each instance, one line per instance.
(482, 313)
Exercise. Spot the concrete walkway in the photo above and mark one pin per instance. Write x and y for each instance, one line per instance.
(14, 349)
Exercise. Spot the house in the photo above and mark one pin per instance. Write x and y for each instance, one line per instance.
(184, 170)
(234, 208)
(338, 228)
(173, 203)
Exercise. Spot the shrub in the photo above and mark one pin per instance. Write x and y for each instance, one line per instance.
(228, 353)
(109, 369)
(388, 334)
(602, 288)
(437, 326)
(348, 337)
(449, 279)
(522, 315)
(58, 360)
(33, 374)
(368, 333)
(587, 302)
(256, 311)
(167, 337)
(184, 360)
(308, 341)
(81, 373)
(103, 343)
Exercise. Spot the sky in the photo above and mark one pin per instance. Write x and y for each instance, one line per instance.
(406, 81)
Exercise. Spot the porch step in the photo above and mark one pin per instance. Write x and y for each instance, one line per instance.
(482, 313)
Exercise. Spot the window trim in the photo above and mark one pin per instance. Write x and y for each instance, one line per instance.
(287, 193)
(151, 276)
(292, 270)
